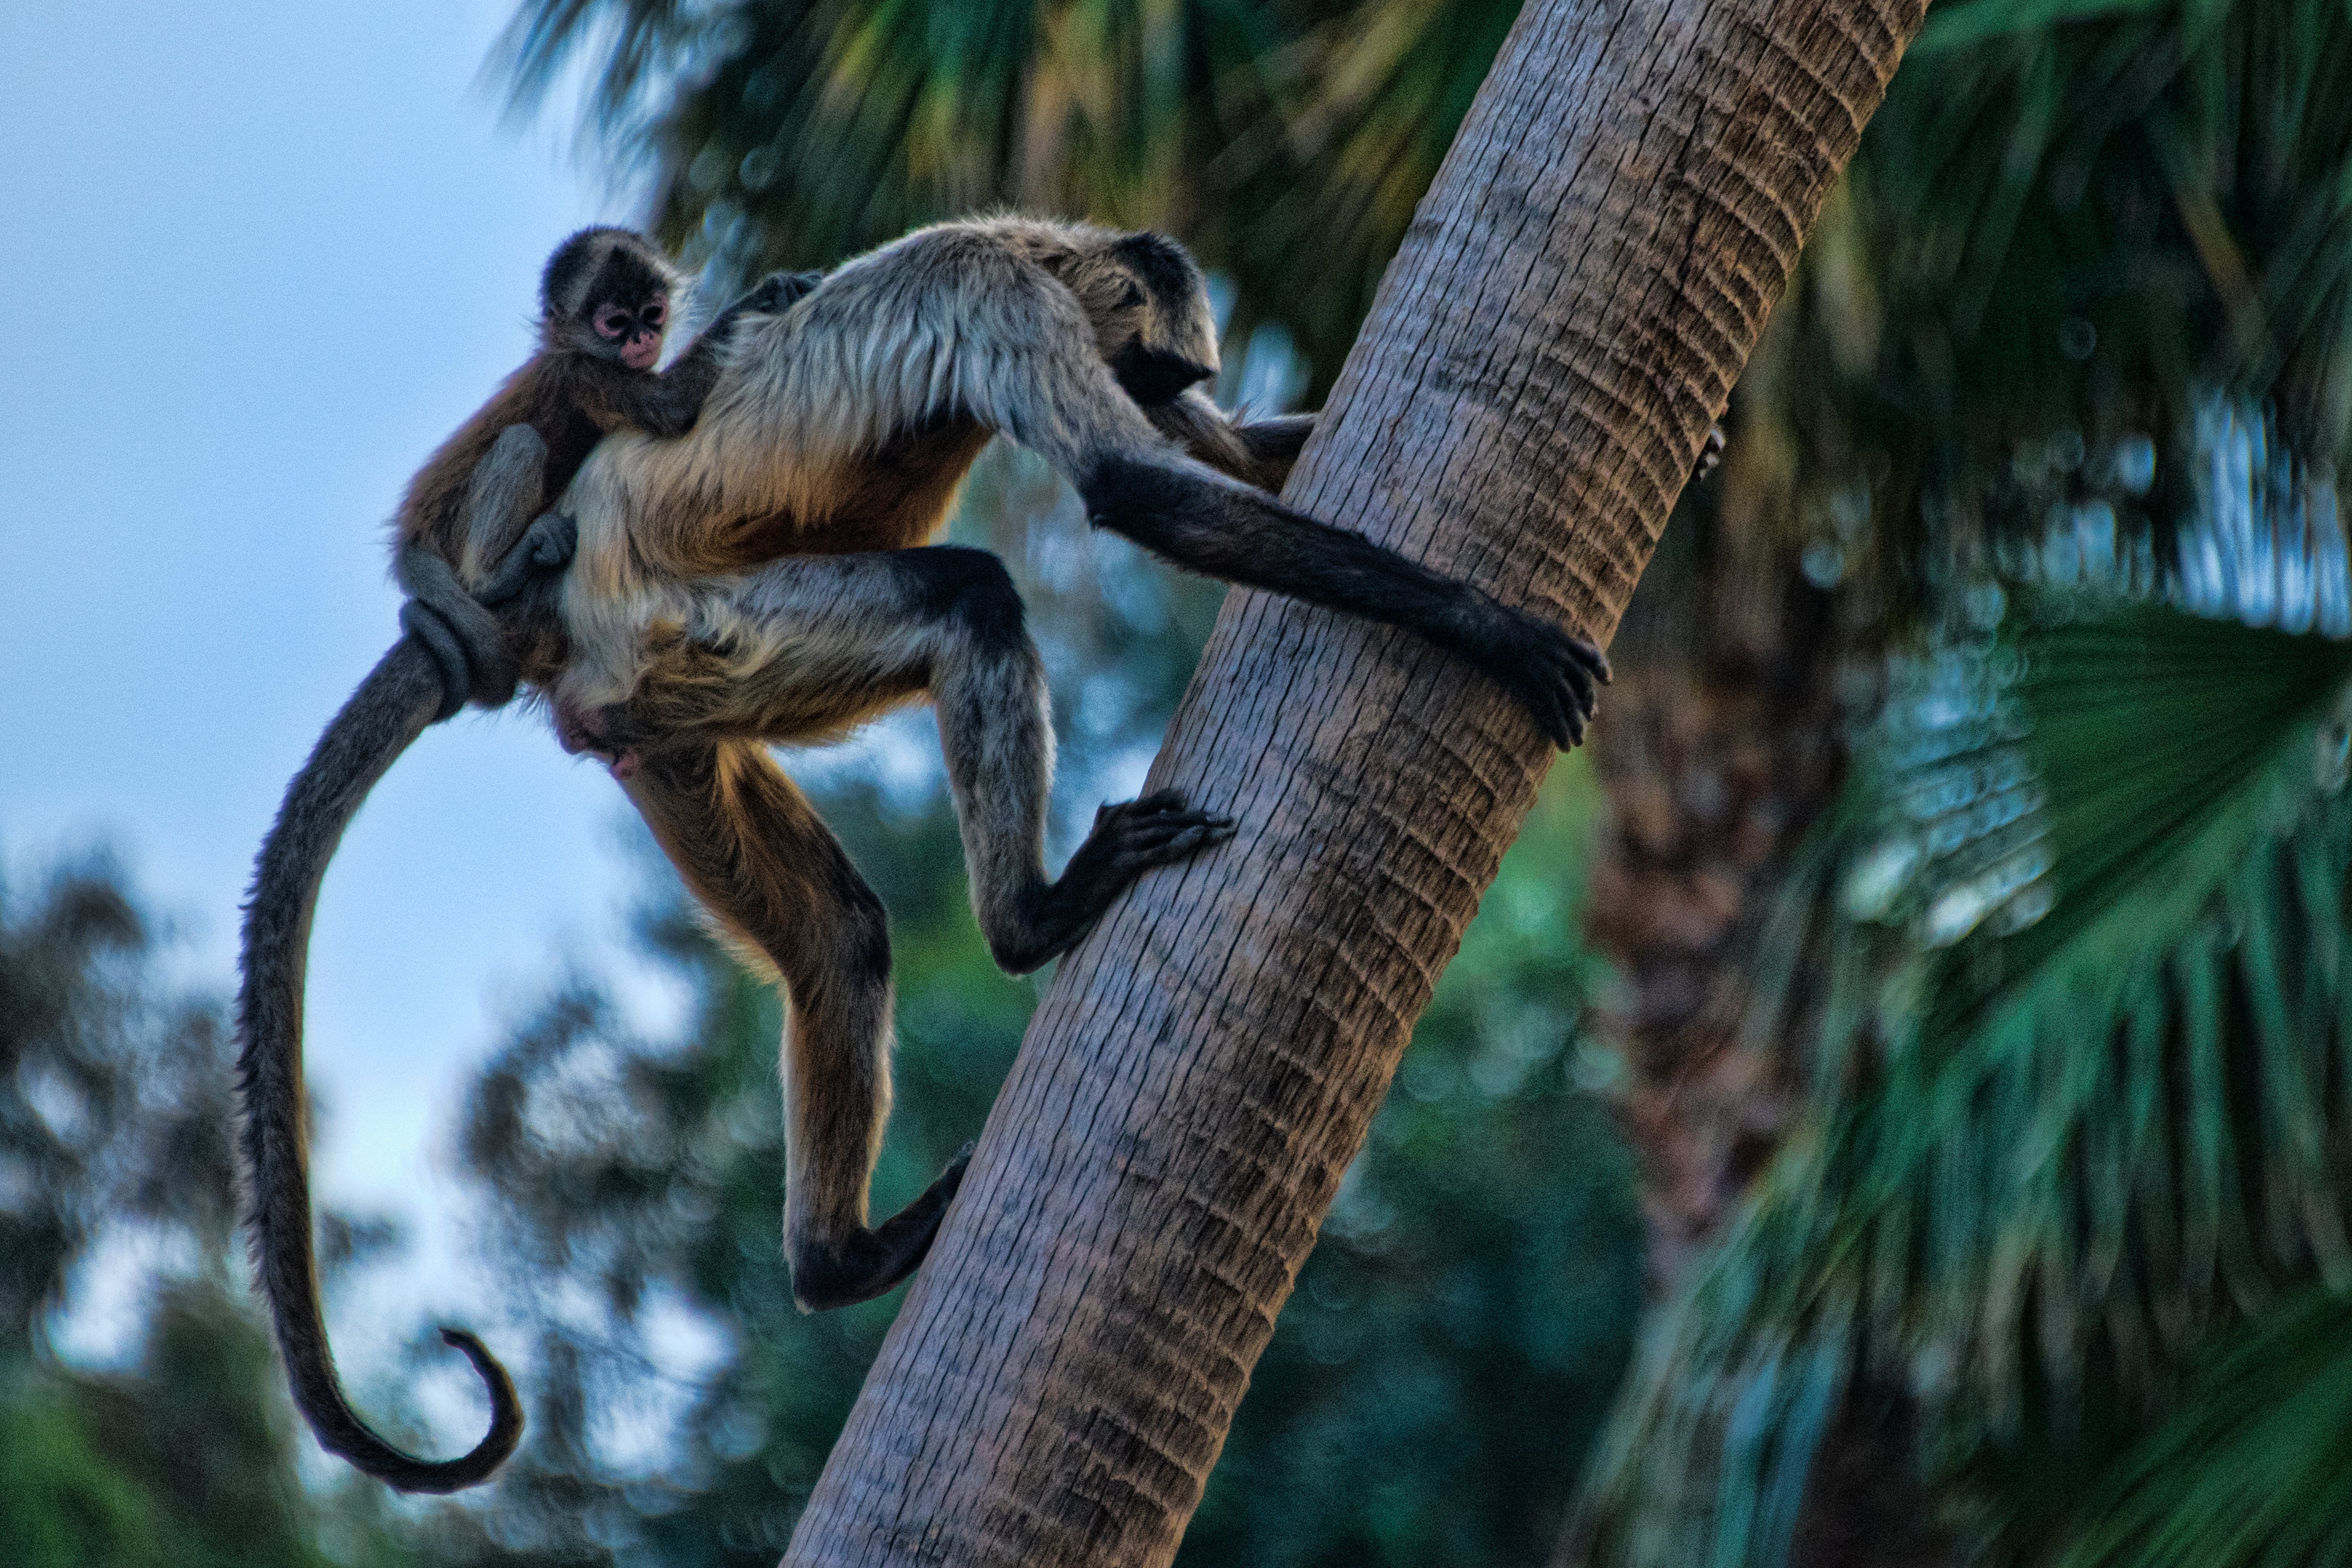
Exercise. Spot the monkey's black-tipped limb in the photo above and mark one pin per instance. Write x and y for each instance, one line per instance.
(392, 707)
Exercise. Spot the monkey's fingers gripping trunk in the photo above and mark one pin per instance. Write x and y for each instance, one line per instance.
(392, 707)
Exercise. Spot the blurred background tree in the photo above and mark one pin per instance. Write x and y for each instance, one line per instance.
(114, 1162)
(1286, 143)
(2054, 1158)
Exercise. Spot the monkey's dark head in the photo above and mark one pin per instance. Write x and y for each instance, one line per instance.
(607, 292)
(1149, 307)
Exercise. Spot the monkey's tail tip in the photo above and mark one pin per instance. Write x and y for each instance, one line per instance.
(403, 1473)
(506, 1420)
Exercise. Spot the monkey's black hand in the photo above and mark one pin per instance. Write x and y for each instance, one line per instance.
(537, 559)
(1129, 839)
(871, 1261)
(780, 291)
(1548, 669)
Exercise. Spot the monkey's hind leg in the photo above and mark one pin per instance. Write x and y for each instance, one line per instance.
(988, 687)
(812, 644)
(501, 500)
(753, 849)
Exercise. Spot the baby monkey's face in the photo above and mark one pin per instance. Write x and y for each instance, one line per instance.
(632, 330)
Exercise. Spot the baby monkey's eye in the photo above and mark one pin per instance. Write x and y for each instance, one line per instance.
(654, 315)
(611, 321)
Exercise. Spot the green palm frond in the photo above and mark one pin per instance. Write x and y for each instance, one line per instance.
(791, 132)
(1978, 21)
(1381, 88)
(2070, 217)
(2169, 173)
(2255, 1470)
(2082, 997)
(646, 42)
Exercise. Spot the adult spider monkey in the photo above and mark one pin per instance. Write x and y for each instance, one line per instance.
(765, 578)
(606, 300)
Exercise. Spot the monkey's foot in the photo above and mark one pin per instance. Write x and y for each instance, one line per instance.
(1553, 673)
(537, 560)
(825, 1276)
(780, 291)
(1127, 840)
(1709, 454)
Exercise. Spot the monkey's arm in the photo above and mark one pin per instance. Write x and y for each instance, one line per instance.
(1180, 510)
(1259, 452)
(669, 403)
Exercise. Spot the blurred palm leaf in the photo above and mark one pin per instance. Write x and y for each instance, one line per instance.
(1379, 88)
(796, 131)
(2070, 216)
(2256, 1467)
(1288, 143)
(2057, 160)
(2071, 958)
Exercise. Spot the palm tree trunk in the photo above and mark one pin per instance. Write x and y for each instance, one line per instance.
(1725, 742)
(1584, 282)
(1725, 739)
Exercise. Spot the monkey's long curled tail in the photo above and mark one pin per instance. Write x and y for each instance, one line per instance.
(392, 707)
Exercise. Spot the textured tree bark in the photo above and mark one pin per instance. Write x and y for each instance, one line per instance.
(1584, 282)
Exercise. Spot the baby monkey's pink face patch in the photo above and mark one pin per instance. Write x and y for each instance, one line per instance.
(639, 332)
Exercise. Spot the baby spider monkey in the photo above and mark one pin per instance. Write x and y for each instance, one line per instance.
(607, 299)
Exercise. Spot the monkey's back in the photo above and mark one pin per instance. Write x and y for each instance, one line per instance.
(847, 423)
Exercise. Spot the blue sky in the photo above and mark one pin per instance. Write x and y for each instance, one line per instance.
(267, 256)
